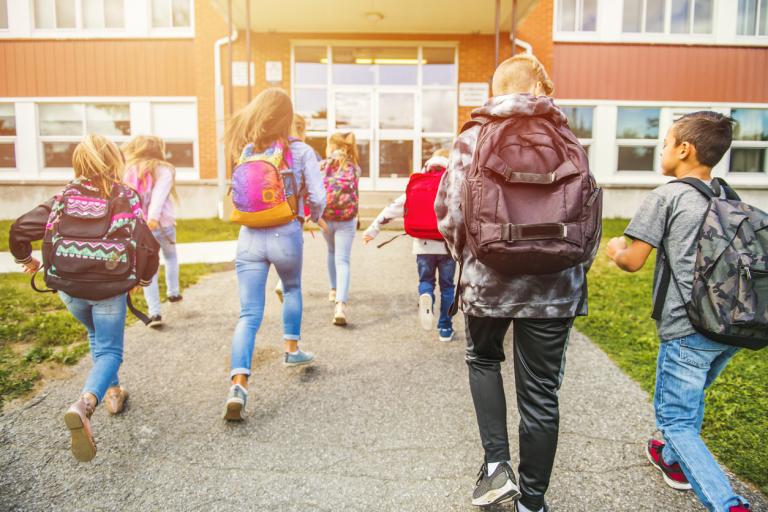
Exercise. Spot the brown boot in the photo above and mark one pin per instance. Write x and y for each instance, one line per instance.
(78, 421)
(115, 399)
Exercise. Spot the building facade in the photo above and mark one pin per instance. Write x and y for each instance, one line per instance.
(404, 76)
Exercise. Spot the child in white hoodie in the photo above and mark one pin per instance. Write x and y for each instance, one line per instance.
(432, 258)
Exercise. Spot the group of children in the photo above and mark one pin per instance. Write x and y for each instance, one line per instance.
(542, 306)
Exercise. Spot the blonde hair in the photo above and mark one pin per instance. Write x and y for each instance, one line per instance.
(444, 152)
(347, 145)
(299, 127)
(266, 119)
(519, 73)
(147, 153)
(98, 160)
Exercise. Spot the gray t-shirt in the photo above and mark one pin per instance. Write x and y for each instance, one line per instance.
(678, 210)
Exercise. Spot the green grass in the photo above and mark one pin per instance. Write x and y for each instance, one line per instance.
(35, 328)
(187, 230)
(736, 421)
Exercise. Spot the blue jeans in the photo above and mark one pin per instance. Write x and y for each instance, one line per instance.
(339, 238)
(685, 368)
(105, 322)
(167, 238)
(428, 264)
(257, 249)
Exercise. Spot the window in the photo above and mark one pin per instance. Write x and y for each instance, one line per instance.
(3, 14)
(438, 66)
(637, 137)
(577, 15)
(668, 16)
(93, 14)
(580, 122)
(749, 153)
(753, 18)
(176, 124)
(63, 125)
(171, 13)
(7, 136)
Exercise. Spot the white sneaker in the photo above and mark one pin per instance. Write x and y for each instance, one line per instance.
(426, 317)
(339, 315)
(332, 296)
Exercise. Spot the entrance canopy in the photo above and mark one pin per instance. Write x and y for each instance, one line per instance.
(374, 16)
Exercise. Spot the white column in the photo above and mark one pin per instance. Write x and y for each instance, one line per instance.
(604, 142)
(20, 20)
(28, 152)
(609, 19)
(725, 21)
(137, 17)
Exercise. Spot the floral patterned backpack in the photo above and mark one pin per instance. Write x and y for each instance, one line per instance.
(341, 189)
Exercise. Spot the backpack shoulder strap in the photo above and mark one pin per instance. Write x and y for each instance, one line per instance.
(477, 120)
(729, 192)
(698, 185)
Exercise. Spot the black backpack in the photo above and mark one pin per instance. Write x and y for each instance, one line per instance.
(95, 248)
(729, 297)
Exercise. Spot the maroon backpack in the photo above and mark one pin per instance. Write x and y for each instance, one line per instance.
(530, 204)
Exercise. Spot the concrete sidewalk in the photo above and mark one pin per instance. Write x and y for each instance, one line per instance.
(199, 252)
(382, 422)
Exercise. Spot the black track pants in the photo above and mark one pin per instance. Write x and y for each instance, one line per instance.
(539, 356)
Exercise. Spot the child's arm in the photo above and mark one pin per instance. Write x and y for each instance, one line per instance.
(394, 211)
(313, 180)
(27, 229)
(160, 192)
(629, 258)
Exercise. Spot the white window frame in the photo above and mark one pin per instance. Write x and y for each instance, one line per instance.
(610, 18)
(656, 144)
(579, 19)
(5, 139)
(375, 135)
(761, 4)
(42, 139)
(748, 144)
(137, 17)
(170, 31)
(182, 173)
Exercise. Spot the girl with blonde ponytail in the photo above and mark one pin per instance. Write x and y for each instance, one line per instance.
(154, 178)
(341, 174)
(261, 132)
(96, 247)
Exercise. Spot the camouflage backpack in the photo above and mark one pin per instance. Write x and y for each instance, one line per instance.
(729, 299)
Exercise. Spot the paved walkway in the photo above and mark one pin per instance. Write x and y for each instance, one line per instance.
(382, 422)
(200, 252)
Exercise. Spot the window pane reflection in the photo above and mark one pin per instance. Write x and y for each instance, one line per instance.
(438, 111)
(396, 158)
(311, 65)
(751, 124)
(439, 67)
(396, 110)
(180, 154)
(636, 158)
(353, 110)
(61, 119)
(638, 123)
(749, 160)
(7, 155)
(312, 104)
(431, 144)
(580, 121)
(108, 119)
(58, 154)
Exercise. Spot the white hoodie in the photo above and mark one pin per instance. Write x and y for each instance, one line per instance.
(396, 210)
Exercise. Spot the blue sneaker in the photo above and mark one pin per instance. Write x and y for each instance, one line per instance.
(298, 358)
(445, 334)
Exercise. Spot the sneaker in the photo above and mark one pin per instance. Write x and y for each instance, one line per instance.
(340, 315)
(499, 487)
(279, 292)
(445, 334)
(175, 298)
(545, 508)
(672, 473)
(332, 296)
(426, 317)
(115, 399)
(234, 409)
(155, 321)
(298, 358)
(78, 421)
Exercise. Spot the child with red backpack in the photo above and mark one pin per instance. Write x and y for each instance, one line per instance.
(96, 247)
(341, 174)
(416, 206)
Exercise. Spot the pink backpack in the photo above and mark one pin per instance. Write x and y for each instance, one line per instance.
(341, 189)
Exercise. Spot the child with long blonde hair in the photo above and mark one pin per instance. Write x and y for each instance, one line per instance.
(87, 231)
(149, 173)
(256, 134)
(341, 174)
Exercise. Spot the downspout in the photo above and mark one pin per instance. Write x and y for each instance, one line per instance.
(525, 45)
(221, 162)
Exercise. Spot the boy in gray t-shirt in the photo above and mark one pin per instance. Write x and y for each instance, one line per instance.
(688, 362)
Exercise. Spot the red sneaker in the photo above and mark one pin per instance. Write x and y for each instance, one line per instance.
(740, 508)
(673, 473)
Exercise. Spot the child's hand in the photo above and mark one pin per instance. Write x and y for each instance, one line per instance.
(367, 238)
(615, 246)
(31, 266)
(152, 224)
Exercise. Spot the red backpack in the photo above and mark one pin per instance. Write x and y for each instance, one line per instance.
(419, 214)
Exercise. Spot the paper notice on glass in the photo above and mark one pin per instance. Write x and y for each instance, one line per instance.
(473, 94)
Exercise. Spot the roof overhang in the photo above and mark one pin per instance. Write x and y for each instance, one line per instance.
(374, 16)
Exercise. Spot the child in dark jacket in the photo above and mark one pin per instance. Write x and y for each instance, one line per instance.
(98, 165)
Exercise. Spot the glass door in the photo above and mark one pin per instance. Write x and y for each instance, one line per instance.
(353, 112)
(395, 137)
